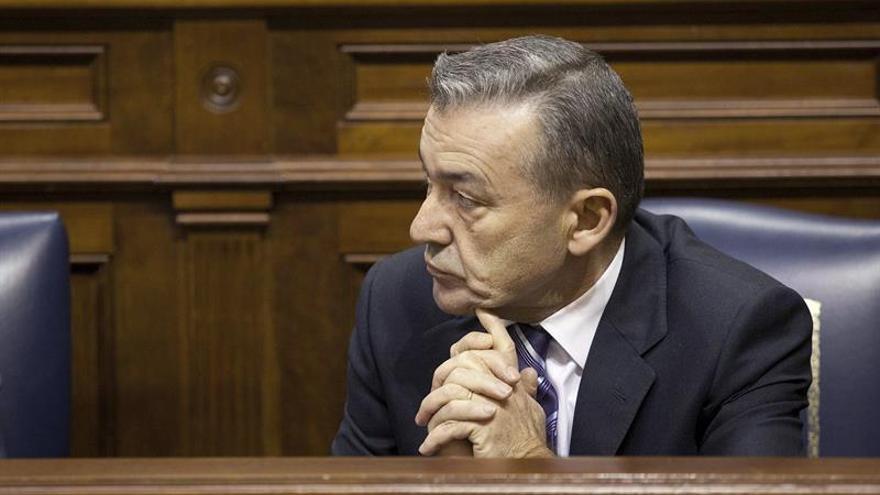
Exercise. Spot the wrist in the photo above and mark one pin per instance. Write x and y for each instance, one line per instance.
(532, 450)
(540, 451)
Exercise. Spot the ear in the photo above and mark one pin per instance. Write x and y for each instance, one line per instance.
(593, 213)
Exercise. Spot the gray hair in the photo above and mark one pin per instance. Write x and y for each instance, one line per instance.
(590, 127)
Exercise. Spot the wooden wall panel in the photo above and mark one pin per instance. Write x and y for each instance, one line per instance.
(695, 98)
(228, 376)
(146, 339)
(46, 83)
(85, 92)
(376, 227)
(222, 91)
(840, 137)
(311, 79)
(93, 376)
(313, 298)
(763, 79)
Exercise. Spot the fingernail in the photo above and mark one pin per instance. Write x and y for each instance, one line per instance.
(512, 373)
(504, 389)
(489, 410)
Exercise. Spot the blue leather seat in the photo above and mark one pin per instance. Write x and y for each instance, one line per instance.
(34, 336)
(835, 261)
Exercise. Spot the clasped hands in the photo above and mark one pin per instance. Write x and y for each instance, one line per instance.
(479, 398)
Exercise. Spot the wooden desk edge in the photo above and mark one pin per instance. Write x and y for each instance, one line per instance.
(415, 475)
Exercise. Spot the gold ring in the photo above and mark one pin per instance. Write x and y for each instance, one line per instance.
(470, 394)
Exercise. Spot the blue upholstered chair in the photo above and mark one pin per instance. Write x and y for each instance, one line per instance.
(34, 336)
(835, 262)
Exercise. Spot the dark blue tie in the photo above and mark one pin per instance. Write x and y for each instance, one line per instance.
(532, 343)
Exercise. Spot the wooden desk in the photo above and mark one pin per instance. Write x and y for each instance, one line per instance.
(440, 476)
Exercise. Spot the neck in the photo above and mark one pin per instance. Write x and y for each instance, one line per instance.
(578, 275)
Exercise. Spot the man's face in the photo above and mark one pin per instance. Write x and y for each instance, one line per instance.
(492, 240)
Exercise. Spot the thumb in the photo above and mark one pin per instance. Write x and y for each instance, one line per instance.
(529, 381)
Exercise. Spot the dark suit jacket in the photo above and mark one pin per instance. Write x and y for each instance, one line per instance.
(696, 353)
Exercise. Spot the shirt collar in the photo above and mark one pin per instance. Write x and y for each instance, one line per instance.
(574, 326)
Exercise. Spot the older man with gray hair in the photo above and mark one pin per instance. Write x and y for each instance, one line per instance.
(544, 313)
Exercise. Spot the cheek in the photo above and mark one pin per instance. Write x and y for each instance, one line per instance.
(506, 263)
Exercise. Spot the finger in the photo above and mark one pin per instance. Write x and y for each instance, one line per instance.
(456, 448)
(479, 383)
(484, 361)
(501, 339)
(470, 342)
(462, 410)
(530, 381)
(445, 433)
(439, 398)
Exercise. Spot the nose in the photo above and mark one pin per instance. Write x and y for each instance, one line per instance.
(429, 225)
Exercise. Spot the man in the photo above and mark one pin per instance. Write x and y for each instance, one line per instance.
(608, 330)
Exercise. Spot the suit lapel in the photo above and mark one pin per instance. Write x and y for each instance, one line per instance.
(616, 378)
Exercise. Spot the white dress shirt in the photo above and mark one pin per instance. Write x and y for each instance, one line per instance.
(573, 329)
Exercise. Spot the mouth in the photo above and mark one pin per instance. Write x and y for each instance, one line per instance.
(438, 273)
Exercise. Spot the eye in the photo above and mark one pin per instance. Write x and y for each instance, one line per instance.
(465, 201)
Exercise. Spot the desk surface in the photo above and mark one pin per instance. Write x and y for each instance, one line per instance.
(216, 4)
(440, 476)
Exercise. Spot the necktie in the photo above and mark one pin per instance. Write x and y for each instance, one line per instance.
(532, 343)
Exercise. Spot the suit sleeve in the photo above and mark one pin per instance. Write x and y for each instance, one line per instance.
(761, 381)
(365, 428)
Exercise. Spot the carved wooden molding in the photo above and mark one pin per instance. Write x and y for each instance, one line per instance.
(80, 91)
(659, 109)
(220, 219)
(336, 172)
(635, 48)
(222, 208)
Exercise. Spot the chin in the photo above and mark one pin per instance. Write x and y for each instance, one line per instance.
(457, 301)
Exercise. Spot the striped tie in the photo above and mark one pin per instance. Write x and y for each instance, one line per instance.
(532, 343)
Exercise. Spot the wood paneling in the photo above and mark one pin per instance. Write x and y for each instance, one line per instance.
(756, 137)
(376, 227)
(85, 92)
(312, 300)
(222, 208)
(146, 339)
(222, 91)
(668, 80)
(311, 81)
(93, 380)
(217, 249)
(227, 346)
(391, 173)
(697, 98)
(46, 83)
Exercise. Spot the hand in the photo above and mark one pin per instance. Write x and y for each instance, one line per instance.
(469, 402)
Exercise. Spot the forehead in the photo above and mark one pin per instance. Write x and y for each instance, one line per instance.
(486, 141)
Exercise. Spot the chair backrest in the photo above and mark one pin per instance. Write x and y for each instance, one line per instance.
(34, 336)
(834, 261)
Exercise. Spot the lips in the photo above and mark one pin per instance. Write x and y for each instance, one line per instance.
(438, 273)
